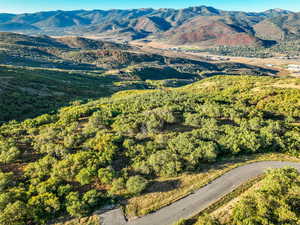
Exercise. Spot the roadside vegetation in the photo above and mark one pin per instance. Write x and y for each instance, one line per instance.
(112, 149)
(274, 201)
(166, 190)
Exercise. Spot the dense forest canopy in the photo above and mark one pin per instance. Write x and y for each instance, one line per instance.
(89, 155)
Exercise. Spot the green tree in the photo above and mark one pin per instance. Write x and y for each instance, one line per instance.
(15, 213)
(136, 184)
(44, 207)
(85, 176)
(165, 163)
(75, 206)
(6, 180)
(106, 175)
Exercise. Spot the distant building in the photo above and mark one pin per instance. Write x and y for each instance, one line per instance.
(294, 67)
(269, 65)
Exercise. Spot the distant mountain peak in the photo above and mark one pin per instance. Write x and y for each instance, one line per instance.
(203, 9)
(278, 10)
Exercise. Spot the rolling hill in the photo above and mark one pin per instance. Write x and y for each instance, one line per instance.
(126, 25)
(42, 73)
(28, 92)
(78, 53)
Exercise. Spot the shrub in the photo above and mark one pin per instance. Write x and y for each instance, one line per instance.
(106, 175)
(181, 222)
(44, 207)
(5, 199)
(75, 206)
(136, 184)
(15, 213)
(85, 176)
(277, 201)
(207, 220)
(9, 152)
(118, 185)
(5, 180)
(10, 155)
(92, 198)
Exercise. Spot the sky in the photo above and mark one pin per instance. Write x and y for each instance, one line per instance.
(22, 6)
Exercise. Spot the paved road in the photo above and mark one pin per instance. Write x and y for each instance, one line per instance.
(201, 199)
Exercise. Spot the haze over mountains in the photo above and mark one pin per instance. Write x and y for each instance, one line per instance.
(200, 25)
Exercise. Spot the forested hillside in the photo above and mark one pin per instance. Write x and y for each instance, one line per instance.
(88, 155)
(29, 92)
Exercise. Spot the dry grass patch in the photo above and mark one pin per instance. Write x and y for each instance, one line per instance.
(91, 220)
(281, 84)
(297, 86)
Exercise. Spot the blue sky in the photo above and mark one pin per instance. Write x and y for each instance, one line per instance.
(20, 6)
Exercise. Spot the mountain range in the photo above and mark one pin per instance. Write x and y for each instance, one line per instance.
(201, 25)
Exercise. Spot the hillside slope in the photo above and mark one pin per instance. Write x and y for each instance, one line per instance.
(270, 192)
(78, 53)
(281, 28)
(39, 74)
(212, 31)
(108, 150)
(28, 92)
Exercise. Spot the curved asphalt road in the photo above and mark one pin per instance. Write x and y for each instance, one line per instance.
(199, 200)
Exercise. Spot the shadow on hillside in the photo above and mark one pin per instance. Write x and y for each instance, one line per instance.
(30, 92)
(163, 186)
